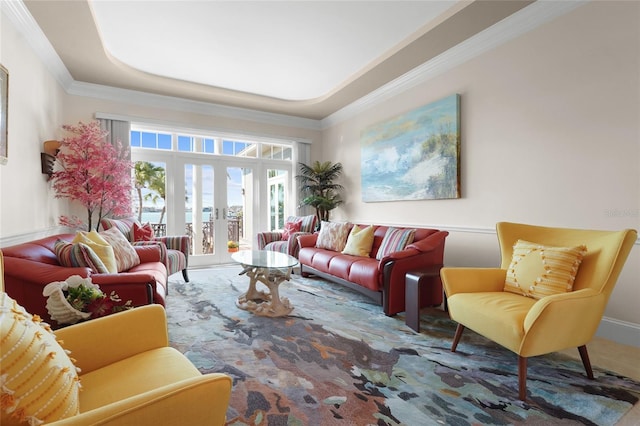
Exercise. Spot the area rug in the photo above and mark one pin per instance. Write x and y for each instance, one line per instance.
(338, 360)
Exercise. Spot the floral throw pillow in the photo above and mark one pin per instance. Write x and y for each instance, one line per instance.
(333, 235)
(290, 228)
(126, 255)
(142, 232)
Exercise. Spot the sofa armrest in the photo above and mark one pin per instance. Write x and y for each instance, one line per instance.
(265, 238)
(199, 400)
(150, 251)
(37, 272)
(293, 243)
(472, 280)
(177, 242)
(115, 337)
(308, 240)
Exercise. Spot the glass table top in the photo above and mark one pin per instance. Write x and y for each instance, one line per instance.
(264, 259)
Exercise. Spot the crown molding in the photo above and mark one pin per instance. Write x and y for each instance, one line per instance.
(517, 24)
(135, 97)
(22, 20)
(509, 28)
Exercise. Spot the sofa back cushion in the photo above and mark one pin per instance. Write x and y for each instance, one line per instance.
(42, 250)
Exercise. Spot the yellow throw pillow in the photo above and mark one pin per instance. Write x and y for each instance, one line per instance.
(40, 384)
(100, 246)
(360, 241)
(537, 271)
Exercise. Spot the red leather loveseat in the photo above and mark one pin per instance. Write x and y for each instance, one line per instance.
(30, 266)
(382, 280)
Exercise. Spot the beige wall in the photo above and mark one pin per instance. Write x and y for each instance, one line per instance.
(550, 136)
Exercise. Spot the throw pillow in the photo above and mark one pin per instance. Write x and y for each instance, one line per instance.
(142, 232)
(126, 255)
(537, 270)
(100, 246)
(290, 228)
(73, 255)
(395, 239)
(360, 241)
(40, 383)
(333, 235)
(124, 225)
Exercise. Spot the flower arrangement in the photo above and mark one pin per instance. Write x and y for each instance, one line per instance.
(79, 299)
(232, 244)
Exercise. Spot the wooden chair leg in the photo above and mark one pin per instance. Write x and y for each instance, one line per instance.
(584, 355)
(522, 378)
(457, 337)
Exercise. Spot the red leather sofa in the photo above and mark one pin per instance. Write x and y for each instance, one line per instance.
(30, 266)
(381, 280)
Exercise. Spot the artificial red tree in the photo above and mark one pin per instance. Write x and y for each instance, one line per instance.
(94, 173)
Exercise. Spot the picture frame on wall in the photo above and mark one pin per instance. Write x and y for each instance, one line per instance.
(414, 155)
(4, 114)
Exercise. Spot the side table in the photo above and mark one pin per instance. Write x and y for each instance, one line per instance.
(414, 282)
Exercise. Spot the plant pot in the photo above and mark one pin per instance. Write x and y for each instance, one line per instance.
(59, 308)
(233, 249)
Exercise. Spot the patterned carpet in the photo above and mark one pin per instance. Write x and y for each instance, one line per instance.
(338, 360)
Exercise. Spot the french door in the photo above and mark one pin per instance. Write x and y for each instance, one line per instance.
(220, 201)
(218, 207)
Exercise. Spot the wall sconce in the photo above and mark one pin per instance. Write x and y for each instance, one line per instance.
(48, 157)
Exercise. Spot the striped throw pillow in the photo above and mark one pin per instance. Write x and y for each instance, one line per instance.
(73, 255)
(396, 239)
(123, 225)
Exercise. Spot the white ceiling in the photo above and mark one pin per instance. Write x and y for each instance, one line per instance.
(306, 59)
(291, 50)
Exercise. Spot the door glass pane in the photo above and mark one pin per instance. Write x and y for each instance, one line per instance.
(277, 181)
(200, 210)
(239, 207)
(150, 194)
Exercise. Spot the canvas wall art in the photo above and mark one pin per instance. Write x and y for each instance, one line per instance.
(413, 156)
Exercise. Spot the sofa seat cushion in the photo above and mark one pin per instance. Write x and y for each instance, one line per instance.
(279, 246)
(134, 376)
(359, 270)
(496, 315)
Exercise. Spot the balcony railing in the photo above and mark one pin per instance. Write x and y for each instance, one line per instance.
(235, 232)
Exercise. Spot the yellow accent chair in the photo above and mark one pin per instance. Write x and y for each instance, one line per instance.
(529, 326)
(130, 376)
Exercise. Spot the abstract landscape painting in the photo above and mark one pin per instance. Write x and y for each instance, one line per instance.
(413, 156)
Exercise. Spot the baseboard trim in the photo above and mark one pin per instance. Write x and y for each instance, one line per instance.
(623, 332)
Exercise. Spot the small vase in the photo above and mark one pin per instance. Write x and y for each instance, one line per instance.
(59, 308)
(233, 249)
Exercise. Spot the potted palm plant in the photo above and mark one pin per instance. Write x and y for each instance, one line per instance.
(318, 187)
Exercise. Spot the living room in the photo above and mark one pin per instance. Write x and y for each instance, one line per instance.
(549, 125)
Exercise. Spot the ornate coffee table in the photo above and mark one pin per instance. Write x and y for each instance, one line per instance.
(270, 268)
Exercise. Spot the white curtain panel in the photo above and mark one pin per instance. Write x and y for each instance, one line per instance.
(118, 130)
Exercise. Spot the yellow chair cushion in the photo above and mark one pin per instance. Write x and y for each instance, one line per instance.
(131, 376)
(100, 246)
(537, 270)
(360, 241)
(39, 381)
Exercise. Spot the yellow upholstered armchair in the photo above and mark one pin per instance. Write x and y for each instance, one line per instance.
(128, 373)
(527, 305)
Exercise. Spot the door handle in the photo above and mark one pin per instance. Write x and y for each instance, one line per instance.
(216, 213)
